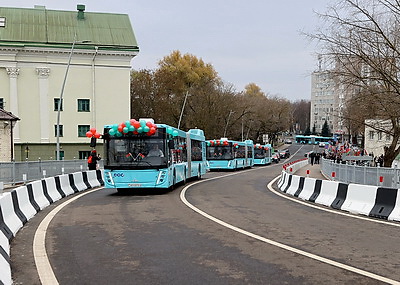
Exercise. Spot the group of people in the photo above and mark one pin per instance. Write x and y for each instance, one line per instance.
(314, 157)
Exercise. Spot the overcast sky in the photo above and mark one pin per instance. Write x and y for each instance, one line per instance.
(255, 41)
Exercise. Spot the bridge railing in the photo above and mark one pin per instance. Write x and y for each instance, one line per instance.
(366, 175)
(12, 173)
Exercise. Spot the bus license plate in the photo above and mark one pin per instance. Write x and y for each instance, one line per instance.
(135, 185)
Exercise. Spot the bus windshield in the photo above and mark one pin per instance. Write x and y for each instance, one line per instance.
(136, 152)
(260, 153)
(219, 152)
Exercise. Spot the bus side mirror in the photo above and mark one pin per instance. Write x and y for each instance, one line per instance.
(171, 144)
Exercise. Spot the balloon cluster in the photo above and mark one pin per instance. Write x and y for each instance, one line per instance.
(220, 142)
(260, 147)
(133, 126)
(172, 132)
(93, 134)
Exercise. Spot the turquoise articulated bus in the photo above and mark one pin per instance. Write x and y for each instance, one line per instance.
(141, 154)
(262, 154)
(224, 154)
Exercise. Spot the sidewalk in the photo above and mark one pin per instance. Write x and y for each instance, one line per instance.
(315, 171)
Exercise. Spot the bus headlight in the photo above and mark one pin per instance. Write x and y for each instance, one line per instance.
(109, 178)
(161, 177)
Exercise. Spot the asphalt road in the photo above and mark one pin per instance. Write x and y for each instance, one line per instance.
(237, 238)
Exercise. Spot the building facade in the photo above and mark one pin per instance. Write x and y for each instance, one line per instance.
(82, 57)
(7, 125)
(323, 100)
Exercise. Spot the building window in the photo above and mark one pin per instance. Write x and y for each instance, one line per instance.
(56, 100)
(82, 130)
(1, 103)
(84, 154)
(371, 135)
(61, 131)
(83, 105)
(388, 137)
(379, 135)
(2, 22)
(61, 155)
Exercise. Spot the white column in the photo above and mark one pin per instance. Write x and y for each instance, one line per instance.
(13, 73)
(43, 75)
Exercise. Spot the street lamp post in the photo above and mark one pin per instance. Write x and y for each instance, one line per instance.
(227, 121)
(183, 107)
(61, 96)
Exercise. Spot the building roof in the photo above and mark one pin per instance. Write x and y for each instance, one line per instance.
(7, 116)
(41, 27)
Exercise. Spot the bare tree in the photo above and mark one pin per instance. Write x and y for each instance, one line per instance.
(362, 41)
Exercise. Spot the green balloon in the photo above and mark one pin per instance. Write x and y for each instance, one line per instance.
(175, 133)
(111, 132)
(115, 127)
(146, 129)
(131, 128)
(140, 130)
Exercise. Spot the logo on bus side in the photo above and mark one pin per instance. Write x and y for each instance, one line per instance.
(118, 175)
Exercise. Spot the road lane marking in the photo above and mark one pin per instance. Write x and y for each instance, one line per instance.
(43, 266)
(278, 244)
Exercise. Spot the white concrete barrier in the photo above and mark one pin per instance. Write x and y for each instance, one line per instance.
(78, 179)
(308, 189)
(38, 195)
(360, 199)
(24, 203)
(395, 214)
(10, 217)
(52, 189)
(293, 185)
(328, 193)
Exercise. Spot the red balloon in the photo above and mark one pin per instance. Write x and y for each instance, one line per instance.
(123, 125)
(120, 128)
(89, 134)
(149, 124)
(97, 135)
(135, 132)
(132, 121)
(93, 130)
(136, 124)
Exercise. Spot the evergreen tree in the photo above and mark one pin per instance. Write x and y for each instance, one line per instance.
(325, 132)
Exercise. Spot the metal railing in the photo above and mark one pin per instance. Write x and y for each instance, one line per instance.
(365, 175)
(12, 173)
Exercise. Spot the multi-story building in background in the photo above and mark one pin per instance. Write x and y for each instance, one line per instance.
(323, 101)
(42, 49)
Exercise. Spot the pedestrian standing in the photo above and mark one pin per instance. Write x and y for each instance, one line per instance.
(312, 157)
(92, 160)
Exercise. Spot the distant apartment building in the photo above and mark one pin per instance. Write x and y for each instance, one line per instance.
(376, 136)
(42, 49)
(322, 100)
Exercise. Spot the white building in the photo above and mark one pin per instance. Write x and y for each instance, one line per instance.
(35, 47)
(323, 101)
(375, 138)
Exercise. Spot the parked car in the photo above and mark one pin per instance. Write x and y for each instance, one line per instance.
(275, 157)
(288, 141)
(284, 153)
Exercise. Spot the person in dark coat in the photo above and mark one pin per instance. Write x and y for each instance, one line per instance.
(92, 160)
(312, 157)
